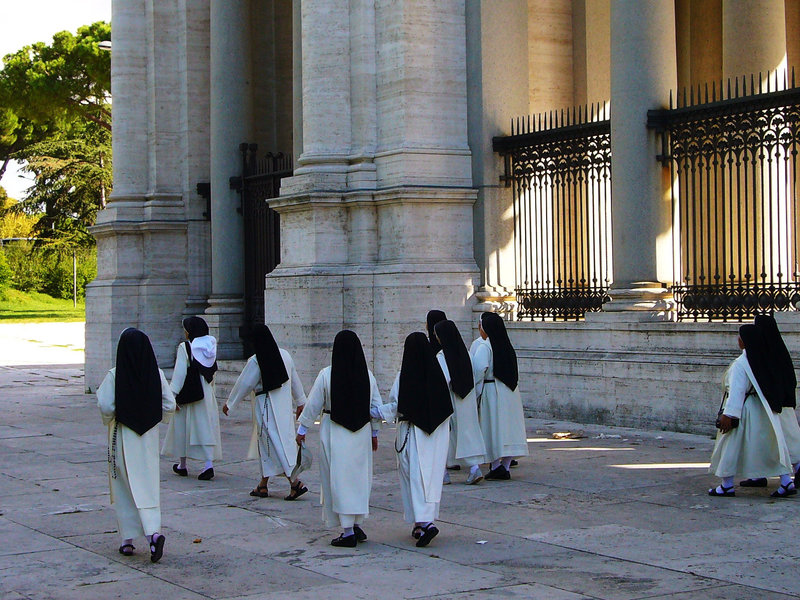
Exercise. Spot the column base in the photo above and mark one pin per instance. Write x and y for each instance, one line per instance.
(498, 300)
(644, 302)
(225, 315)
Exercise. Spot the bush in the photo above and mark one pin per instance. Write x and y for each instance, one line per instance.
(34, 270)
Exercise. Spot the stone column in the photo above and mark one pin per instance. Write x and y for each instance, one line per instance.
(753, 37)
(112, 299)
(497, 44)
(643, 70)
(230, 125)
(550, 51)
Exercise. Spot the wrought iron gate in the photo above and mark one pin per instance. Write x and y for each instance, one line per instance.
(260, 180)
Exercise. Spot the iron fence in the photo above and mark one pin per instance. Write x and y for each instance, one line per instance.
(559, 165)
(732, 155)
(260, 180)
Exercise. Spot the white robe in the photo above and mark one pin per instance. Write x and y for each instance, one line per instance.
(500, 409)
(421, 460)
(756, 448)
(272, 438)
(194, 428)
(345, 462)
(466, 440)
(791, 432)
(135, 493)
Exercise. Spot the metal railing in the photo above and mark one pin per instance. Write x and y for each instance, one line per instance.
(559, 165)
(732, 155)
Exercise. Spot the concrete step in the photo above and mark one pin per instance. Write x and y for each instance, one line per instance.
(226, 377)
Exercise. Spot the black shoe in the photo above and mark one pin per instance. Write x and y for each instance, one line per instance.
(345, 541)
(514, 463)
(428, 533)
(453, 467)
(759, 482)
(359, 533)
(500, 473)
(179, 471)
(207, 474)
(157, 549)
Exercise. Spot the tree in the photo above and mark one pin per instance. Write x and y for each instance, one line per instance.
(55, 114)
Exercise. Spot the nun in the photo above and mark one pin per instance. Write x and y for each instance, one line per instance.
(279, 398)
(750, 442)
(193, 431)
(502, 419)
(788, 384)
(344, 394)
(133, 398)
(467, 443)
(420, 403)
(433, 317)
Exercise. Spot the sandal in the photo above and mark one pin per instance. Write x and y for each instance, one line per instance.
(416, 533)
(261, 491)
(428, 533)
(157, 548)
(759, 482)
(298, 489)
(726, 491)
(784, 492)
(127, 549)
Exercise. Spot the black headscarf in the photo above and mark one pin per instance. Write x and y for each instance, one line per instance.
(504, 359)
(434, 317)
(270, 361)
(457, 358)
(781, 357)
(350, 388)
(137, 385)
(196, 327)
(423, 398)
(764, 368)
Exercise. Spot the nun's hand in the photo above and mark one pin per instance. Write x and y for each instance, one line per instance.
(225, 409)
(725, 423)
(300, 439)
(375, 444)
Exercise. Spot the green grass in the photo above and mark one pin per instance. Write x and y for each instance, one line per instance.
(33, 307)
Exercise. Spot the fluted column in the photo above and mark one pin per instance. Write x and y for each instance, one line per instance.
(753, 37)
(643, 70)
(230, 126)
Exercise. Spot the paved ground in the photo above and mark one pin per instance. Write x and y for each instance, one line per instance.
(618, 514)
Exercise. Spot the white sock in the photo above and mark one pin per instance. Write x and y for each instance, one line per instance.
(474, 469)
(786, 479)
(182, 463)
(209, 465)
(506, 462)
(496, 463)
(796, 467)
(727, 482)
(127, 541)
(348, 531)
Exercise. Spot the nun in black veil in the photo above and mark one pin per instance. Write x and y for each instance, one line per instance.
(750, 442)
(420, 403)
(344, 394)
(193, 431)
(133, 399)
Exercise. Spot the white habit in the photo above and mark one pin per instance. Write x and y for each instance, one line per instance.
(756, 448)
(273, 437)
(194, 428)
(791, 432)
(133, 472)
(500, 409)
(345, 462)
(421, 462)
(466, 440)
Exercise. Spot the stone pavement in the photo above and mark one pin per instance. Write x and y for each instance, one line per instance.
(618, 514)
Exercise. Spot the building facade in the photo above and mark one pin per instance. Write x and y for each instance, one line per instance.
(397, 202)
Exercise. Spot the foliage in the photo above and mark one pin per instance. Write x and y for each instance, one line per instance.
(5, 272)
(14, 223)
(34, 269)
(55, 114)
(27, 307)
